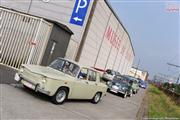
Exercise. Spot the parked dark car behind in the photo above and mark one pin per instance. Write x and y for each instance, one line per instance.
(120, 85)
(143, 84)
(134, 83)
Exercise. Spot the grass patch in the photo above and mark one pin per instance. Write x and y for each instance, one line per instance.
(160, 105)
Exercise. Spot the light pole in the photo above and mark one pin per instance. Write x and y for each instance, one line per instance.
(137, 68)
(177, 82)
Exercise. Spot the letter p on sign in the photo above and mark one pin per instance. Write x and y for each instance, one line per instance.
(79, 12)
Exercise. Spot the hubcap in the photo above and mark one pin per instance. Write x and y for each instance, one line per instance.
(61, 95)
(97, 97)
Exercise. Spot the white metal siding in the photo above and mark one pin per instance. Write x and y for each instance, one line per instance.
(21, 5)
(23, 38)
(119, 55)
(109, 56)
(94, 36)
(57, 10)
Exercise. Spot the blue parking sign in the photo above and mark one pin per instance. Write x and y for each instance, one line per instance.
(79, 12)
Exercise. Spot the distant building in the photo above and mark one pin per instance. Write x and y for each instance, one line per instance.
(137, 73)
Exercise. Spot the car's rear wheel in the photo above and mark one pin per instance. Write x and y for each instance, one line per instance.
(134, 91)
(60, 96)
(96, 98)
(130, 94)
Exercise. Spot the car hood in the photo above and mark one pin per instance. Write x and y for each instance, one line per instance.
(46, 71)
(120, 84)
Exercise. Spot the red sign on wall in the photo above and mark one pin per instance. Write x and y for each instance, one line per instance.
(113, 38)
(116, 42)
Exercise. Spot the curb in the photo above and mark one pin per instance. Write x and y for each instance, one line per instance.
(143, 110)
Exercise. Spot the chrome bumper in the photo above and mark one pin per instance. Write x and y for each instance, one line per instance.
(37, 87)
(118, 91)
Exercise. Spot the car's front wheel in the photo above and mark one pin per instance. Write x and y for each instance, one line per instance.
(60, 96)
(96, 98)
(125, 95)
(134, 91)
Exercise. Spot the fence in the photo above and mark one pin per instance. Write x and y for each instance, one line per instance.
(23, 38)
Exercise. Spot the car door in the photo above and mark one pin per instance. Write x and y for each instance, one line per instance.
(93, 85)
(81, 86)
(136, 84)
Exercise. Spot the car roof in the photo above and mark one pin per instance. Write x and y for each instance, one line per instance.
(90, 68)
(130, 78)
(78, 64)
(69, 60)
(99, 69)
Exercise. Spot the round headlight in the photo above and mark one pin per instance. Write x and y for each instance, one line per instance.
(21, 69)
(109, 83)
(44, 79)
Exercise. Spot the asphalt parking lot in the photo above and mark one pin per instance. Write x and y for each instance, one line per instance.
(20, 103)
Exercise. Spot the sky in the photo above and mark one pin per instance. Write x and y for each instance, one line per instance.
(154, 32)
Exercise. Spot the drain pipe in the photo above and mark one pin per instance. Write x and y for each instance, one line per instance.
(86, 31)
(29, 7)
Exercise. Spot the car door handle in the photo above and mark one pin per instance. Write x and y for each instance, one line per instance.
(86, 82)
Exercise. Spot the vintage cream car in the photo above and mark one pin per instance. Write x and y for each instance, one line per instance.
(63, 79)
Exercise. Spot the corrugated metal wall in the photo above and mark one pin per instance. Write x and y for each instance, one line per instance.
(107, 44)
(57, 10)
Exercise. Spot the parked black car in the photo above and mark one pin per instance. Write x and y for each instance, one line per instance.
(143, 84)
(120, 85)
(134, 83)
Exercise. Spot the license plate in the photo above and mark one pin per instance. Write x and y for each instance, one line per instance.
(16, 77)
(115, 87)
(28, 85)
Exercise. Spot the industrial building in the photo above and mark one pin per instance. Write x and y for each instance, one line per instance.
(102, 41)
(137, 73)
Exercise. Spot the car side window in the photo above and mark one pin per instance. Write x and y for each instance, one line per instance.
(83, 74)
(135, 82)
(131, 82)
(92, 76)
(113, 73)
(108, 71)
(57, 64)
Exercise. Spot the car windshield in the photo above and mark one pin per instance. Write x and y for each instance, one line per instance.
(65, 67)
(131, 78)
(120, 79)
(143, 82)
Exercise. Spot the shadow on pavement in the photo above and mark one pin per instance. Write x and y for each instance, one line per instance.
(44, 97)
(7, 75)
